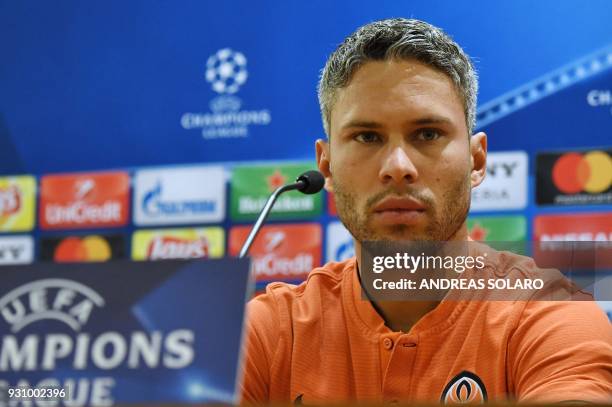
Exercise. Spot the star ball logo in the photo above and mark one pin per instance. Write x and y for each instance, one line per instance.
(226, 72)
(574, 178)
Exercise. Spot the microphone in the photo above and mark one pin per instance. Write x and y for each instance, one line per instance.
(310, 182)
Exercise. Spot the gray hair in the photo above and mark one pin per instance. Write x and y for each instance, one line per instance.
(400, 39)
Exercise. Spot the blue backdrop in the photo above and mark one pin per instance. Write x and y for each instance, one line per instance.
(96, 85)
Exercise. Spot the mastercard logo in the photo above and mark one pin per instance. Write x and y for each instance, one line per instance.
(591, 172)
(87, 249)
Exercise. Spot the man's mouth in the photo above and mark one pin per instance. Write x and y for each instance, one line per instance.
(396, 210)
(399, 204)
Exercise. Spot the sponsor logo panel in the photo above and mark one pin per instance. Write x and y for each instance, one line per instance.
(185, 243)
(16, 250)
(179, 196)
(497, 228)
(17, 203)
(281, 252)
(86, 200)
(505, 185)
(340, 245)
(82, 249)
(107, 326)
(252, 185)
(331, 204)
(574, 178)
(567, 239)
(574, 227)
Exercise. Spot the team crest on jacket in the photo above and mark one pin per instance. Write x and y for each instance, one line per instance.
(465, 388)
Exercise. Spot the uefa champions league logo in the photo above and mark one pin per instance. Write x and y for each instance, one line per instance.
(226, 71)
(58, 299)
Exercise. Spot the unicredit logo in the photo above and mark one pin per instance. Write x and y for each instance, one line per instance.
(10, 200)
(274, 240)
(62, 300)
(271, 264)
(79, 201)
(164, 247)
(153, 205)
(81, 212)
(590, 172)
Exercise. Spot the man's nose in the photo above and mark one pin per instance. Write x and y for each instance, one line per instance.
(398, 168)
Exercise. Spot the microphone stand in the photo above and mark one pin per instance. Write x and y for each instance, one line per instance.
(264, 214)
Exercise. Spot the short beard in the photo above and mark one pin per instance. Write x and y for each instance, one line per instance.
(443, 226)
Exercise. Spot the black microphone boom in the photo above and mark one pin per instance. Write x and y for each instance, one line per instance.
(309, 182)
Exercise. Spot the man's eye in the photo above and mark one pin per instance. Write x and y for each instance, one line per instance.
(428, 135)
(367, 137)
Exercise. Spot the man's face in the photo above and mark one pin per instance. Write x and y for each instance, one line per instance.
(399, 160)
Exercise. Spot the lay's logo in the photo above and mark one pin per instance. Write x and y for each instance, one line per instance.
(165, 247)
(188, 243)
(10, 200)
(17, 201)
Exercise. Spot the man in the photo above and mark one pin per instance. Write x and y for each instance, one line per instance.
(398, 100)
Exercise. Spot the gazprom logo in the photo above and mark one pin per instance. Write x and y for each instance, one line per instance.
(57, 299)
(153, 204)
(345, 250)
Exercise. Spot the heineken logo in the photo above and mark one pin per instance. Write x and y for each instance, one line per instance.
(252, 185)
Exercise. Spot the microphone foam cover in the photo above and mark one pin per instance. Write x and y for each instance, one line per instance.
(313, 182)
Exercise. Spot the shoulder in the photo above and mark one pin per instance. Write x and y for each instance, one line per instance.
(506, 262)
(272, 316)
(561, 350)
(285, 300)
(560, 344)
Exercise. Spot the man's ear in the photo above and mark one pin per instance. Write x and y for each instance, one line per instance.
(478, 152)
(324, 163)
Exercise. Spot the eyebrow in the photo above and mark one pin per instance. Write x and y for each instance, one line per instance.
(417, 122)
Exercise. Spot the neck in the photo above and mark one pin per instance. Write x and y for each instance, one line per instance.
(403, 315)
